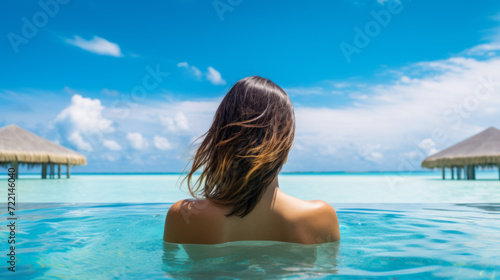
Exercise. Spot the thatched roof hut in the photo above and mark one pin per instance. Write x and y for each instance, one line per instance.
(19, 146)
(482, 149)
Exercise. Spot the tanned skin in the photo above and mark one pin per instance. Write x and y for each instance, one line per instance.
(276, 217)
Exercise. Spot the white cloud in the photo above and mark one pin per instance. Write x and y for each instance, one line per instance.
(405, 79)
(112, 145)
(326, 88)
(488, 49)
(358, 96)
(341, 84)
(96, 45)
(458, 97)
(177, 123)
(82, 123)
(162, 143)
(69, 90)
(137, 142)
(214, 76)
(191, 69)
(183, 120)
(110, 92)
(393, 119)
(371, 153)
(110, 158)
(429, 145)
(76, 139)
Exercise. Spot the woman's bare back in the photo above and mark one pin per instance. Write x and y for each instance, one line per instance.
(277, 216)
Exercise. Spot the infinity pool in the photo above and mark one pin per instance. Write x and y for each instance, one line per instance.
(389, 241)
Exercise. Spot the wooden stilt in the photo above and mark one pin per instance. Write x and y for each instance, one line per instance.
(499, 172)
(44, 170)
(58, 171)
(453, 173)
(67, 171)
(473, 172)
(51, 171)
(459, 173)
(442, 168)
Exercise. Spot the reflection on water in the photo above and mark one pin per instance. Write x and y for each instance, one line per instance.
(490, 207)
(250, 259)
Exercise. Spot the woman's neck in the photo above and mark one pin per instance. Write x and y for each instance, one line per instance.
(268, 198)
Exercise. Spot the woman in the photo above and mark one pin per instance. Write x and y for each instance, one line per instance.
(241, 156)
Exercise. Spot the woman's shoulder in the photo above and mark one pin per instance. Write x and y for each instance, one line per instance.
(323, 207)
(187, 218)
(324, 221)
(317, 210)
(311, 207)
(318, 222)
(189, 209)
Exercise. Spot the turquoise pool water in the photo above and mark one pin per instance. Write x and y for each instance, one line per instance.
(333, 188)
(393, 227)
(123, 241)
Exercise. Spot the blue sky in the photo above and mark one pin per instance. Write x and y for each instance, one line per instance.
(131, 85)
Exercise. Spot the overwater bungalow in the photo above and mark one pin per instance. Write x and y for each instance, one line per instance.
(480, 150)
(19, 146)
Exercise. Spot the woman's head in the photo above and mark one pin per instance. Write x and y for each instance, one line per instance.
(246, 146)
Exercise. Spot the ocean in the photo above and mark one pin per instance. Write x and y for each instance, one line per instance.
(393, 226)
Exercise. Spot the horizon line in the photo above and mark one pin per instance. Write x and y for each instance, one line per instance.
(288, 172)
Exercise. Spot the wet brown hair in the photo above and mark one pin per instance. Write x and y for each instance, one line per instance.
(246, 146)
